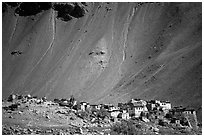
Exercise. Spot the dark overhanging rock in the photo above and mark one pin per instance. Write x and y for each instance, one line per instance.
(32, 8)
(78, 12)
(67, 11)
(4, 7)
(63, 10)
(84, 3)
(12, 4)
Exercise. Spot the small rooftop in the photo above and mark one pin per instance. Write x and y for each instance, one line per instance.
(163, 101)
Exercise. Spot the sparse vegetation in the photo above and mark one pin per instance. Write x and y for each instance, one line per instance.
(124, 128)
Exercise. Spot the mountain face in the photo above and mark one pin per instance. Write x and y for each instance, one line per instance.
(104, 52)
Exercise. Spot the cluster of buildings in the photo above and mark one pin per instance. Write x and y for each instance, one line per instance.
(153, 110)
(133, 108)
(26, 98)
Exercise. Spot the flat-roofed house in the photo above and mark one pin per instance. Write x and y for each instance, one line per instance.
(96, 107)
(190, 115)
(153, 105)
(136, 111)
(83, 105)
(136, 101)
(114, 113)
(165, 105)
(124, 115)
(88, 106)
(111, 108)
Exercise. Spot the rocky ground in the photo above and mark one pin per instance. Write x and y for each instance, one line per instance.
(34, 116)
(45, 118)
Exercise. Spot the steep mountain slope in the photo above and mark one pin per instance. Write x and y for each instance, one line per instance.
(104, 52)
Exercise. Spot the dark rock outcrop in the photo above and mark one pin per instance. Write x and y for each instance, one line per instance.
(32, 8)
(66, 11)
(12, 4)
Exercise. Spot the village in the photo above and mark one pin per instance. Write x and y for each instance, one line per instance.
(160, 112)
(106, 115)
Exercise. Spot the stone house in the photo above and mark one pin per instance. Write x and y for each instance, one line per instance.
(83, 106)
(88, 106)
(124, 115)
(28, 96)
(178, 112)
(105, 106)
(165, 111)
(137, 101)
(190, 115)
(122, 106)
(77, 107)
(136, 107)
(186, 116)
(136, 111)
(95, 107)
(114, 113)
(153, 105)
(157, 101)
(189, 111)
(112, 108)
(176, 121)
(100, 106)
(11, 98)
(165, 105)
(74, 103)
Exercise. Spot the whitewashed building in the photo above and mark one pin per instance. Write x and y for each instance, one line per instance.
(83, 106)
(138, 101)
(114, 113)
(95, 107)
(137, 110)
(165, 105)
(125, 116)
(113, 108)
